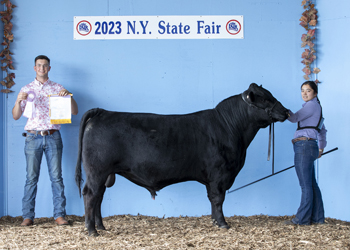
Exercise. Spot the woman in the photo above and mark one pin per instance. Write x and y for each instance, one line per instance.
(309, 142)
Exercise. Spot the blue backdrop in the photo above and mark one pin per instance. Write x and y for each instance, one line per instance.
(178, 77)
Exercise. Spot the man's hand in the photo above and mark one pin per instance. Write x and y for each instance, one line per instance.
(17, 111)
(64, 92)
(21, 96)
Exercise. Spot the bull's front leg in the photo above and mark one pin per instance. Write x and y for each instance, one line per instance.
(216, 198)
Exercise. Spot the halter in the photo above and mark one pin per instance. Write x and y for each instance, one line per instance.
(271, 129)
(267, 110)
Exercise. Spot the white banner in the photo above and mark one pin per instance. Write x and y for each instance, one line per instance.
(158, 27)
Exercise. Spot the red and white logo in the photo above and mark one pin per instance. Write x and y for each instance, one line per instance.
(84, 28)
(233, 27)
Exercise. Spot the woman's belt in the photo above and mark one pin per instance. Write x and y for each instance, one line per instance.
(302, 139)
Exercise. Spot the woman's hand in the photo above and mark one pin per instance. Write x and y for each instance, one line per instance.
(320, 152)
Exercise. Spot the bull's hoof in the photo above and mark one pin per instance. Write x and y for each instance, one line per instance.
(225, 226)
(101, 227)
(93, 234)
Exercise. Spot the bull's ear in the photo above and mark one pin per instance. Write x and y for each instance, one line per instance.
(250, 96)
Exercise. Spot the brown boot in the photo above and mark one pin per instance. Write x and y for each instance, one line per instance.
(27, 222)
(61, 221)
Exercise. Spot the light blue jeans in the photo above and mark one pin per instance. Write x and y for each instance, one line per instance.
(311, 206)
(35, 146)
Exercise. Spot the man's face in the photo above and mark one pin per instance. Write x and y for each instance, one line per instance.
(42, 68)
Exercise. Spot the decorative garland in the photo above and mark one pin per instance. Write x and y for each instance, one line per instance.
(6, 61)
(309, 21)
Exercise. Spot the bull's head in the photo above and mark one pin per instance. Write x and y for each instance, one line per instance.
(264, 104)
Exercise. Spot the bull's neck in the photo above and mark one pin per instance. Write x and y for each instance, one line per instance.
(237, 118)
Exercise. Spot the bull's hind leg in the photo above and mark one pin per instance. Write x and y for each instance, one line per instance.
(216, 198)
(93, 200)
(89, 211)
(98, 215)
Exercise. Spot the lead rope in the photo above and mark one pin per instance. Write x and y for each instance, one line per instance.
(271, 138)
(230, 191)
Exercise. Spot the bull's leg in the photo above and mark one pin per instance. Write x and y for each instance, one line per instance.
(89, 210)
(216, 198)
(98, 215)
(91, 198)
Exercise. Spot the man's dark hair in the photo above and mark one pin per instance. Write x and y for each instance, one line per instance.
(42, 57)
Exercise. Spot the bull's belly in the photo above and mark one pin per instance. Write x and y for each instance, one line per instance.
(161, 173)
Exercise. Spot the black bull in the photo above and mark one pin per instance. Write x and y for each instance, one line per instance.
(155, 151)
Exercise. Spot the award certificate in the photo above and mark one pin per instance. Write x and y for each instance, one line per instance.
(60, 109)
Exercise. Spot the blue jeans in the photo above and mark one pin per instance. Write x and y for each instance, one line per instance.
(311, 205)
(35, 146)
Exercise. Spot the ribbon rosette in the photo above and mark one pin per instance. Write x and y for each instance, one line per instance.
(29, 110)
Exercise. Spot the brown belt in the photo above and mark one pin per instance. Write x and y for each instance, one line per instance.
(43, 132)
(302, 139)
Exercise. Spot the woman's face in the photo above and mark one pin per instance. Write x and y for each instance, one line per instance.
(307, 93)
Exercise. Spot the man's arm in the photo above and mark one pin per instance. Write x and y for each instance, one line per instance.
(17, 110)
(74, 107)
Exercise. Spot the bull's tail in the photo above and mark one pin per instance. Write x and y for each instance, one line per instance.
(84, 120)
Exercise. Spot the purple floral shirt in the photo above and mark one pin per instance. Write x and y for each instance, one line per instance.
(41, 121)
(309, 115)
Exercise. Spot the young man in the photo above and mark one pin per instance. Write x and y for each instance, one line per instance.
(42, 137)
